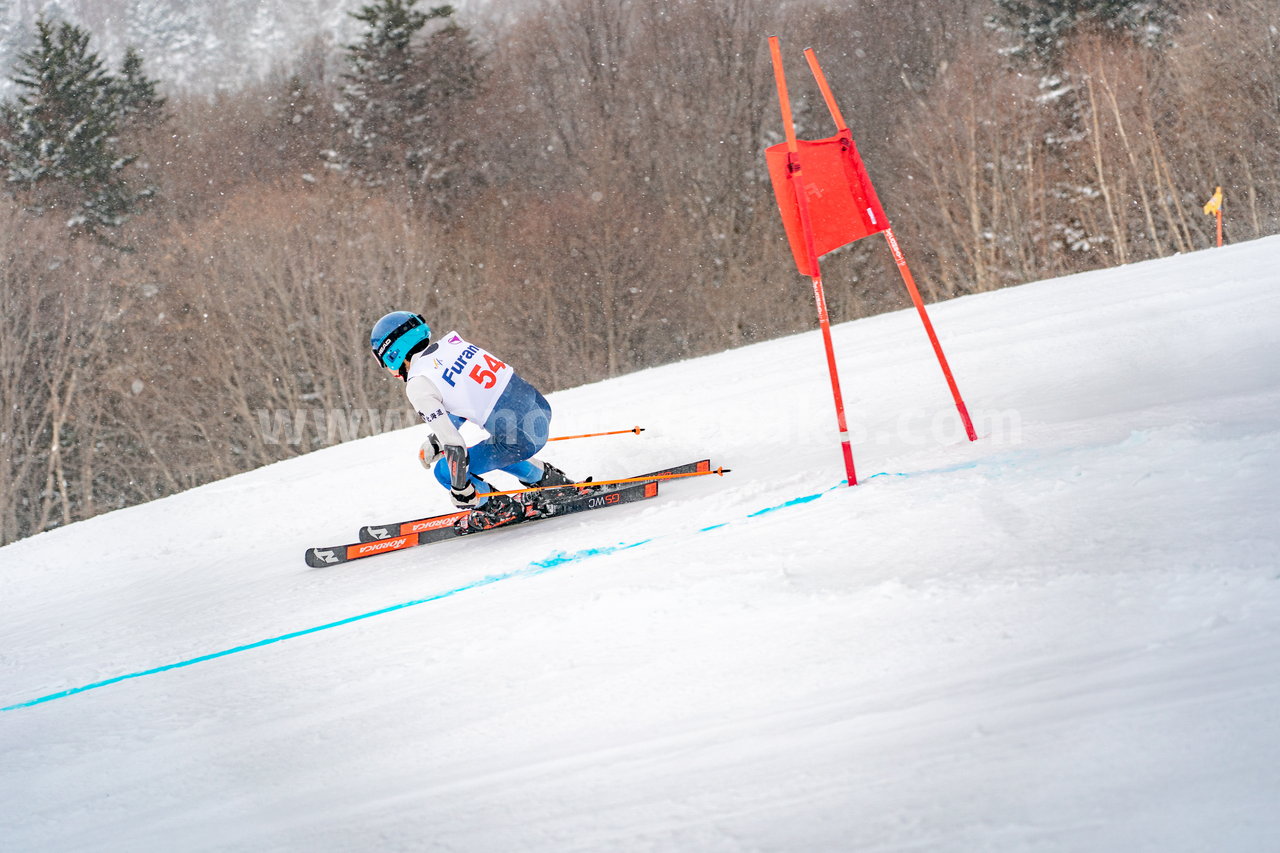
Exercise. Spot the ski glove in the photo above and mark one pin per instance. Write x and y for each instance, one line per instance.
(430, 452)
(465, 498)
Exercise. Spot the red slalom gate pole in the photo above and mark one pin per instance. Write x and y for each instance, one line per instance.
(910, 282)
(824, 322)
(899, 259)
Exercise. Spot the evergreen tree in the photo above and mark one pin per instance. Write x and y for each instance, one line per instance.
(450, 78)
(403, 96)
(61, 150)
(138, 103)
(1041, 28)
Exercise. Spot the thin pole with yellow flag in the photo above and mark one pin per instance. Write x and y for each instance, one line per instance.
(1214, 206)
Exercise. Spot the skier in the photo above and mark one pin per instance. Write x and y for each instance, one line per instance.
(451, 381)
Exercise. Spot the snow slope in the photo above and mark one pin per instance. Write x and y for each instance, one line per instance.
(1062, 637)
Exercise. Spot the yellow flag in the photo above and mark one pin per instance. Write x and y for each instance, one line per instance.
(1214, 205)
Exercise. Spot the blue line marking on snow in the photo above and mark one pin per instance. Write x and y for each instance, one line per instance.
(793, 502)
(491, 579)
(536, 567)
(880, 474)
(560, 558)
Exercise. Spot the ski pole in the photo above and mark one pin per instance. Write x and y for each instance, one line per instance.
(637, 430)
(591, 484)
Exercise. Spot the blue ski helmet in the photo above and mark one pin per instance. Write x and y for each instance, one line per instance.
(395, 336)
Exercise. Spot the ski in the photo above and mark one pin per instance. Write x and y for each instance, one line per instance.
(374, 532)
(320, 557)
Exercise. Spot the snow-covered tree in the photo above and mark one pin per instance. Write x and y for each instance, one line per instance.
(138, 101)
(61, 139)
(376, 93)
(403, 95)
(180, 41)
(1040, 29)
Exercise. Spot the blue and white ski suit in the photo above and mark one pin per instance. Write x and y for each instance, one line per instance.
(454, 381)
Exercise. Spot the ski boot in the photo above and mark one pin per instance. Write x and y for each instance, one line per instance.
(552, 476)
(548, 487)
(496, 512)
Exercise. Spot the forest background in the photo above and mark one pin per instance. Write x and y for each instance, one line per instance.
(579, 185)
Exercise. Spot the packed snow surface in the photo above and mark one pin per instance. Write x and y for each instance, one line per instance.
(1064, 636)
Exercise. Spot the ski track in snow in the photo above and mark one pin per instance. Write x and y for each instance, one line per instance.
(1062, 637)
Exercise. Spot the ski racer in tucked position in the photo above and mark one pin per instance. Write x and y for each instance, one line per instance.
(451, 381)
